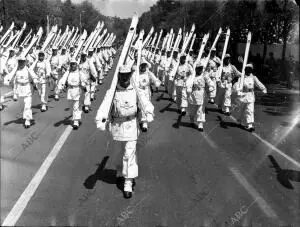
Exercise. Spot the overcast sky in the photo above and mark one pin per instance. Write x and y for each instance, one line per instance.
(121, 8)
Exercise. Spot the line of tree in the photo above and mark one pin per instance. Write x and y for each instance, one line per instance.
(35, 13)
(270, 21)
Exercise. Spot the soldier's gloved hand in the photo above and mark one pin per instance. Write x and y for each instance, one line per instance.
(101, 125)
(240, 93)
(265, 91)
(149, 117)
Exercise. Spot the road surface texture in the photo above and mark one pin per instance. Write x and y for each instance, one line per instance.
(224, 176)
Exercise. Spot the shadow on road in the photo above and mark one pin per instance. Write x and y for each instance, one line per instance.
(161, 97)
(226, 124)
(217, 110)
(284, 176)
(102, 174)
(18, 121)
(66, 121)
(167, 108)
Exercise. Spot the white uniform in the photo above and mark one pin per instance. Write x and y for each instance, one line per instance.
(225, 86)
(10, 65)
(55, 66)
(42, 70)
(144, 82)
(23, 78)
(99, 67)
(74, 80)
(247, 99)
(87, 69)
(161, 68)
(171, 75)
(214, 62)
(166, 73)
(183, 72)
(64, 61)
(124, 129)
(197, 96)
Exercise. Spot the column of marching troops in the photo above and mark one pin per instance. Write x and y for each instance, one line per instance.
(55, 69)
(191, 81)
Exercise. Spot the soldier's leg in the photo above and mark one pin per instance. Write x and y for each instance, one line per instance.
(76, 114)
(200, 116)
(87, 99)
(249, 115)
(93, 90)
(44, 97)
(100, 76)
(174, 94)
(15, 95)
(184, 103)
(130, 167)
(227, 101)
(1, 102)
(27, 113)
(212, 94)
(166, 76)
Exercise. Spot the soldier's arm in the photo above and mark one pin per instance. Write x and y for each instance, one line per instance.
(153, 79)
(93, 69)
(208, 82)
(32, 74)
(62, 81)
(48, 69)
(259, 84)
(236, 72)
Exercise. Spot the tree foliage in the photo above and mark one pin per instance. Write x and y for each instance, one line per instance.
(270, 21)
(35, 12)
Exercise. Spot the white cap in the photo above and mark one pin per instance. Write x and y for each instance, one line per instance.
(249, 66)
(54, 48)
(125, 69)
(21, 58)
(73, 60)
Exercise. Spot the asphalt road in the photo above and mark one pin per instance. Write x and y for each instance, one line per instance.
(224, 176)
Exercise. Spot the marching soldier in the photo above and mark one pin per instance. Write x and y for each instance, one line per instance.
(94, 61)
(75, 81)
(64, 60)
(196, 95)
(99, 66)
(166, 70)
(10, 65)
(55, 67)
(213, 65)
(171, 87)
(146, 78)
(30, 58)
(229, 73)
(183, 72)
(89, 73)
(246, 98)
(42, 69)
(23, 77)
(161, 65)
(125, 131)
